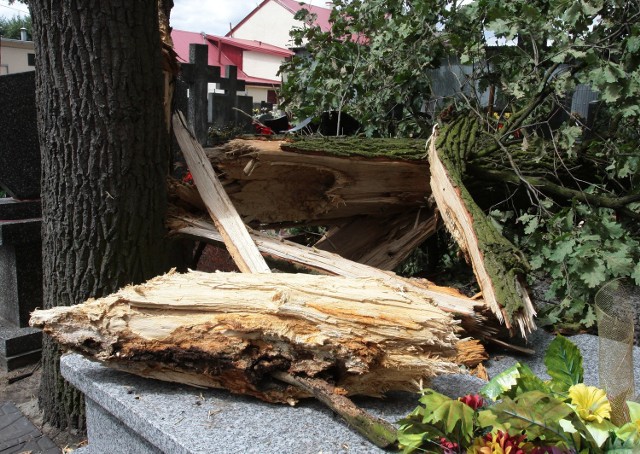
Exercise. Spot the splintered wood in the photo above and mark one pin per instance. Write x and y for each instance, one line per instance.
(234, 330)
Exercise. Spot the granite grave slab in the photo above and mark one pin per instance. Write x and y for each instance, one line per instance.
(127, 414)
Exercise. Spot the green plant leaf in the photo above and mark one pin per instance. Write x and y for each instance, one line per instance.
(564, 364)
(452, 417)
(501, 383)
(513, 381)
(634, 410)
(412, 435)
(535, 412)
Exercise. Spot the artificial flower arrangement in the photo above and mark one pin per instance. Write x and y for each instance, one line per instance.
(519, 413)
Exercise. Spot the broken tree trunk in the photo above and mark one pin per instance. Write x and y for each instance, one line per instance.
(224, 215)
(270, 186)
(498, 265)
(233, 330)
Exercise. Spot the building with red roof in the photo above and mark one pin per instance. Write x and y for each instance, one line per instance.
(257, 62)
(272, 20)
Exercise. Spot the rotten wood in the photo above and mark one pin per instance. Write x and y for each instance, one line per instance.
(496, 263)
(233, 330)
(220, 208)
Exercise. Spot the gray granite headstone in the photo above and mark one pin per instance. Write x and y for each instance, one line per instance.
(19, 150)
(147, 416)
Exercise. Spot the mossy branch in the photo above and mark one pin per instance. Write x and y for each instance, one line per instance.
(544, 185)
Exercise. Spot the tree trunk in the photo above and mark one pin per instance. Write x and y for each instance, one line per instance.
(104, 147)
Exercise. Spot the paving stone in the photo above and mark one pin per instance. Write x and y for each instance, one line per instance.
(19, 435)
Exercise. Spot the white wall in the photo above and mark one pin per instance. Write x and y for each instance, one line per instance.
(270, 24)
(259, 94)
(13, 56)
(261, 65)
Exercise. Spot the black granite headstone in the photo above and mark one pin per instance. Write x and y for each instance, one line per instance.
(19, 149)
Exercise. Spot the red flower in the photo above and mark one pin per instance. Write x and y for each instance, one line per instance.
(263, 130)
(448, 447)
(472, 400)
(187, 178)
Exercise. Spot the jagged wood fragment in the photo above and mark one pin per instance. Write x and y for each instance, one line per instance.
(315, 260)
(283, 186)
(498, 265)
(383, 242)
(232, 330)
(221, 209)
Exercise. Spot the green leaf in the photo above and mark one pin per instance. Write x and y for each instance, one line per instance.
(501, 383)
(457, 418)
(635, 275)
(594, 273)
(535, 412)
(450, 416)
(412, 435)
(564, 364)
(513, 381)
(634, 410)
(600, 431)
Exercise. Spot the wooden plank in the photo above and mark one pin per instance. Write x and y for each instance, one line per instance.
(234, 233)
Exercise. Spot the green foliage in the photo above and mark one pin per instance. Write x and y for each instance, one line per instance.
(528, 412)
(378, 61)
(564, 364)
(580, 248)
(10, 27)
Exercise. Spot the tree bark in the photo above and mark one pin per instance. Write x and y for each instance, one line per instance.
(498, 265)
(104, 147)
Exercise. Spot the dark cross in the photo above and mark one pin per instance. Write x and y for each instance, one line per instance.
(231, 85)
(197, 74)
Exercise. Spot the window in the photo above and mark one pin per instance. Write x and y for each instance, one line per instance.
(31, 59)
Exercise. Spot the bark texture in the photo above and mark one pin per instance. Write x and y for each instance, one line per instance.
(104, 147)
(500, 268)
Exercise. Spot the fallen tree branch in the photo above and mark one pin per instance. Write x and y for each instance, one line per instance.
(380, 432)
(499, 266)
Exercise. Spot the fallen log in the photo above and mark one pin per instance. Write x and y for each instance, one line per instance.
(270, 185)
(233, 330)
(498, 265)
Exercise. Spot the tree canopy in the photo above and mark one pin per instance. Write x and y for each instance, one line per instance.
(10, 27)
(572, 198)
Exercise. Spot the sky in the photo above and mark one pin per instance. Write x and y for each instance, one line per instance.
(210, 16)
